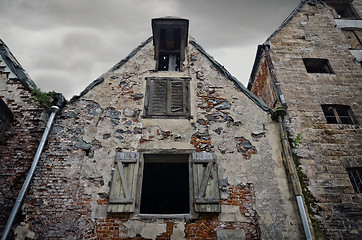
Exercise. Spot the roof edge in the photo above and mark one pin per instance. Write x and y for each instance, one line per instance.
(218, 66)
(15, 66)
(115, 67)
(291, 15)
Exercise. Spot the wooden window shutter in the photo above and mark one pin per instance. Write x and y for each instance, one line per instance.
(167, 97)
(124, 182)
(178, 97)
(158, 97)
(206, 186)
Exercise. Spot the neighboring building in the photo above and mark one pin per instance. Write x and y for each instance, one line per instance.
(20, 129)
(165, 145)
(312, 66)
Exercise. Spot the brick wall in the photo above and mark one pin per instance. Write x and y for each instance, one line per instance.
(19, 144)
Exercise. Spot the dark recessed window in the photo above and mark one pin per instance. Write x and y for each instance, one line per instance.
(165, 184)
(338, 114)
(317, 65)
(167, 97)
(354, 37)
(344, 10)
(355, 175)
(5, 117)
(170, 41)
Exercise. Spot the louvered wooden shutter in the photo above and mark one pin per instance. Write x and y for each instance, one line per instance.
(124, 182)
(167, 97)
(158, 97)
(178, 97)
(206, 187)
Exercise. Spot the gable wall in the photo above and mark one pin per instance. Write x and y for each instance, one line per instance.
(19, 144)
(70, 191)
(326, 149)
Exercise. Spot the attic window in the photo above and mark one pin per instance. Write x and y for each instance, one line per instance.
(165, 184)
(354, 37)
(317, 65)
(170, 40)
(344, 10)
(355, 176)
(5, 117)
(167, 97)
(338, 114)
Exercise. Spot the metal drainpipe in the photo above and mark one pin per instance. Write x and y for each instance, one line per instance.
(294, 178)
(274, 77)
(288, 156)
(54, 110)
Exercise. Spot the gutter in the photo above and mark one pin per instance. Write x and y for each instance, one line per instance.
(54, 111)
(288, 156)
(270, 65)
(287, 151)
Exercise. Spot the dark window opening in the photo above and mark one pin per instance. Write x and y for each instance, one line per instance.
(169, 50)
(169, 62)
(344, 10)
(5, 117)
(355, 176)
(316, 65)
(165, 184)
(338, 114)
(354, 38)
(170, 39)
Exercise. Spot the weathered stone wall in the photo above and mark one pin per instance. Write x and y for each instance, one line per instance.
(327, 149)
(69, 195)
(19, 144)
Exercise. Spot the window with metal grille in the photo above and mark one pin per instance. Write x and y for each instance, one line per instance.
(354, 37)
(317, 65)
(338, 114)
(5, 117)
(355, 176)
(167, 97)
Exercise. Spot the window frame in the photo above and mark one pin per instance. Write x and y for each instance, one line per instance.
(150, 110)
(209, 202)
(311, 64)
(353, 174)
(358, 38)
(6, 117)
(336, 108)
(191, 215)
(346, 6)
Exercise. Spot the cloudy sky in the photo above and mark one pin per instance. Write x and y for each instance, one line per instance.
(66, 44)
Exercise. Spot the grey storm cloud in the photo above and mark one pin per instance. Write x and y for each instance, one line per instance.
(65, 45)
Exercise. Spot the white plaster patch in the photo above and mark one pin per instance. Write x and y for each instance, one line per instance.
(152, 230)
(147, 230)
(231, 214)
(178, 231)
(22, 232)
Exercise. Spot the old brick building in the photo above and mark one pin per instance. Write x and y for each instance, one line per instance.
(21, 128)
(169, 145)
(311, 66)
(165, 145)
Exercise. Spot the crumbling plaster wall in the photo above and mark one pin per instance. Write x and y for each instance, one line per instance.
(68, 197)
(19, 144)
(326, 149)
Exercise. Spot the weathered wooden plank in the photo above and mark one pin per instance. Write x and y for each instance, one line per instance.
(206, 189)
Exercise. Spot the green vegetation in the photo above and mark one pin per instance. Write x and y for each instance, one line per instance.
(45, 99)
(310, 200)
